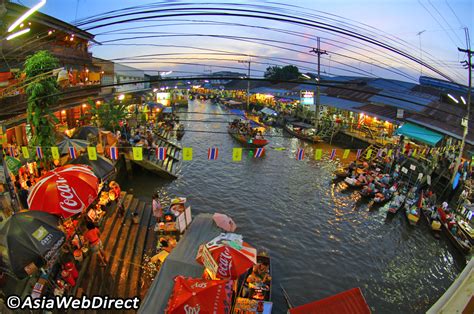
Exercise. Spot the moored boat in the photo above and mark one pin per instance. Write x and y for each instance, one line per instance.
(303, 131)
(453, 231)
(467, 230)
(412, 209)
(244, 138)
(180, 132)
(255, 288)
(433, 224)
(395, 204)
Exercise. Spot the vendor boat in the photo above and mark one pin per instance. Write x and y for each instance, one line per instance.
(303, 131)
(245, 140)
(412, 209)
(433, 224)
(255, 298)
(467, 230)
(459, 240)
(395, 204)
(353, 182)
(180, 132)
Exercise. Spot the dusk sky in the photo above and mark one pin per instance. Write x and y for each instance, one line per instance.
(440, 21)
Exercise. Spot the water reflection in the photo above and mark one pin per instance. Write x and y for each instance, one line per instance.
(322, 237)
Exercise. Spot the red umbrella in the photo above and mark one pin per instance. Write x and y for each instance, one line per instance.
(200, 296)
(64, 191)
(230, 261)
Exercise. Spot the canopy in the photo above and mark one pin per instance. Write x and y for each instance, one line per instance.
(269, 111)
(102, 167)
(64, 191)
(419, 133)
(237, 112)
(181, 261)
(84, 131)
(197, 295)
(28, 240)
(348, 302)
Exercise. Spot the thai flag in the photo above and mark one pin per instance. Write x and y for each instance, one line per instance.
(161, 153)
(333, 154)
(359, 151)
(259, 152)
(113, 153)
(212, 153)
(72, 153)
(11, 151)
(39, 152)
(300, 154)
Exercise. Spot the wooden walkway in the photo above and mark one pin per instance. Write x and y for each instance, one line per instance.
(125, 245)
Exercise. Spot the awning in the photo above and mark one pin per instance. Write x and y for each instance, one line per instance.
(269, 111)
(419, 133)
(237, 112)
(348, 302)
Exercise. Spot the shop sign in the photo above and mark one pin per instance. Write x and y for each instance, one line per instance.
(307, 97)
(400, 113)
(208, 261)
(412, 167)
(428, 179)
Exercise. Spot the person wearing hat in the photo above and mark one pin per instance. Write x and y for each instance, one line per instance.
(177, 206)
(157, 210)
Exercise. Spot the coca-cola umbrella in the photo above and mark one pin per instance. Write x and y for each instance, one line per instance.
(29, 240)
(64, 191)
(200, 296)
(232, 257)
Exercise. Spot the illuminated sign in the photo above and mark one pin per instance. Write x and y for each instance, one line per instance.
(163, 98)
(307, 97)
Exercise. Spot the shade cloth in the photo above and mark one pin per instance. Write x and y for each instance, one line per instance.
(419, 133)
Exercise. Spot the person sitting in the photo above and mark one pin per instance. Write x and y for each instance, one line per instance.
(177, 206)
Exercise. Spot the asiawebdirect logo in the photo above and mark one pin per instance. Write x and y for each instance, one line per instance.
(14, 302)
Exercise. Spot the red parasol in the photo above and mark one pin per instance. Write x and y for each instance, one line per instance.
(64, 191)
(230, 261)
(200, 296)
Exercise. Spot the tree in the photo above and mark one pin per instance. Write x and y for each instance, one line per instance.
(42, 94)
(109, 114)
(286, 73)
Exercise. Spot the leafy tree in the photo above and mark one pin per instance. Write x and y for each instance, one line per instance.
(286, 73)
(42, 94)
(108, 114)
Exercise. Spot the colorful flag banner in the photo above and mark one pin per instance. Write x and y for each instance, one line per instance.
(359, 152)
(187, 153)
(379, 153)
(300, 154)
(72, 153)
(25, 152)
(333, 154)
(92, 153)
(390, 152)
(414, 153)
(113, 151)
(346, 153)
(318, 153)
(259, 152)
(212, 153)
(55, 153)
(369, 153)
(237, 154)
(137, 153)
(161, 153)
(39, 152)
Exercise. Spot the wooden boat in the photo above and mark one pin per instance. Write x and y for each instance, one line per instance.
(246, 140)
(411, 210)
(255, 298)
(303, 131)
(395, 204)
(353, 183)
(457, 240)
(434, 225)
(466, 229)
(180, 132)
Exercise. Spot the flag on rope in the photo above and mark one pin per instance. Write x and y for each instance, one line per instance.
(369, 153)
(379, 153)
(25, 152)
(72, 153)
(259, 152)
(11, 151)
(333, 154)
(113, 151)
(137, 153)
(212, 153)
(92, 153)
(300, 154)
(55, 153)
(318, 153)
(346, 153)
(39, 152)
(414, 153)
(187, 153)
(161, 153)
(390, 152)
(359, 152)
(236, 154)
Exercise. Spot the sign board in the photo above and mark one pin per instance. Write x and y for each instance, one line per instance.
(184, 219)
(428, 180)
(400, 113)
(412, 167)
(208, 261)
(420, 176)
(307, 97)
(404, 170)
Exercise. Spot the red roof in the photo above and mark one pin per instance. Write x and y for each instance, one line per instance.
(348, 302)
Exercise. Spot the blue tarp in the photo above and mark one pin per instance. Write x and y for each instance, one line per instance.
(167, 110)
(419, 133)
(153, 104)
(269, 111)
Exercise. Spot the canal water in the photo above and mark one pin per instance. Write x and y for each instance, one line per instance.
(322, 238)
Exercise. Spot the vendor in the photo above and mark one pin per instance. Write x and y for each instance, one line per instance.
(177, 206)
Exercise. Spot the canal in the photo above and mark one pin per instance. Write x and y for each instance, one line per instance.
(321, 237)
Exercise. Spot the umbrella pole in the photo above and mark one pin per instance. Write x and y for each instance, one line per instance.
(287, 297)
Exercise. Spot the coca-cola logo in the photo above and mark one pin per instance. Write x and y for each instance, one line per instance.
(224, 263)
(68, 199)
(192, 309)
(199, 285)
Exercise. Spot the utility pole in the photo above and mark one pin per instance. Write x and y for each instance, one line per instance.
(248, 80)
(468, 65)
(419, 37)
(319, 52)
